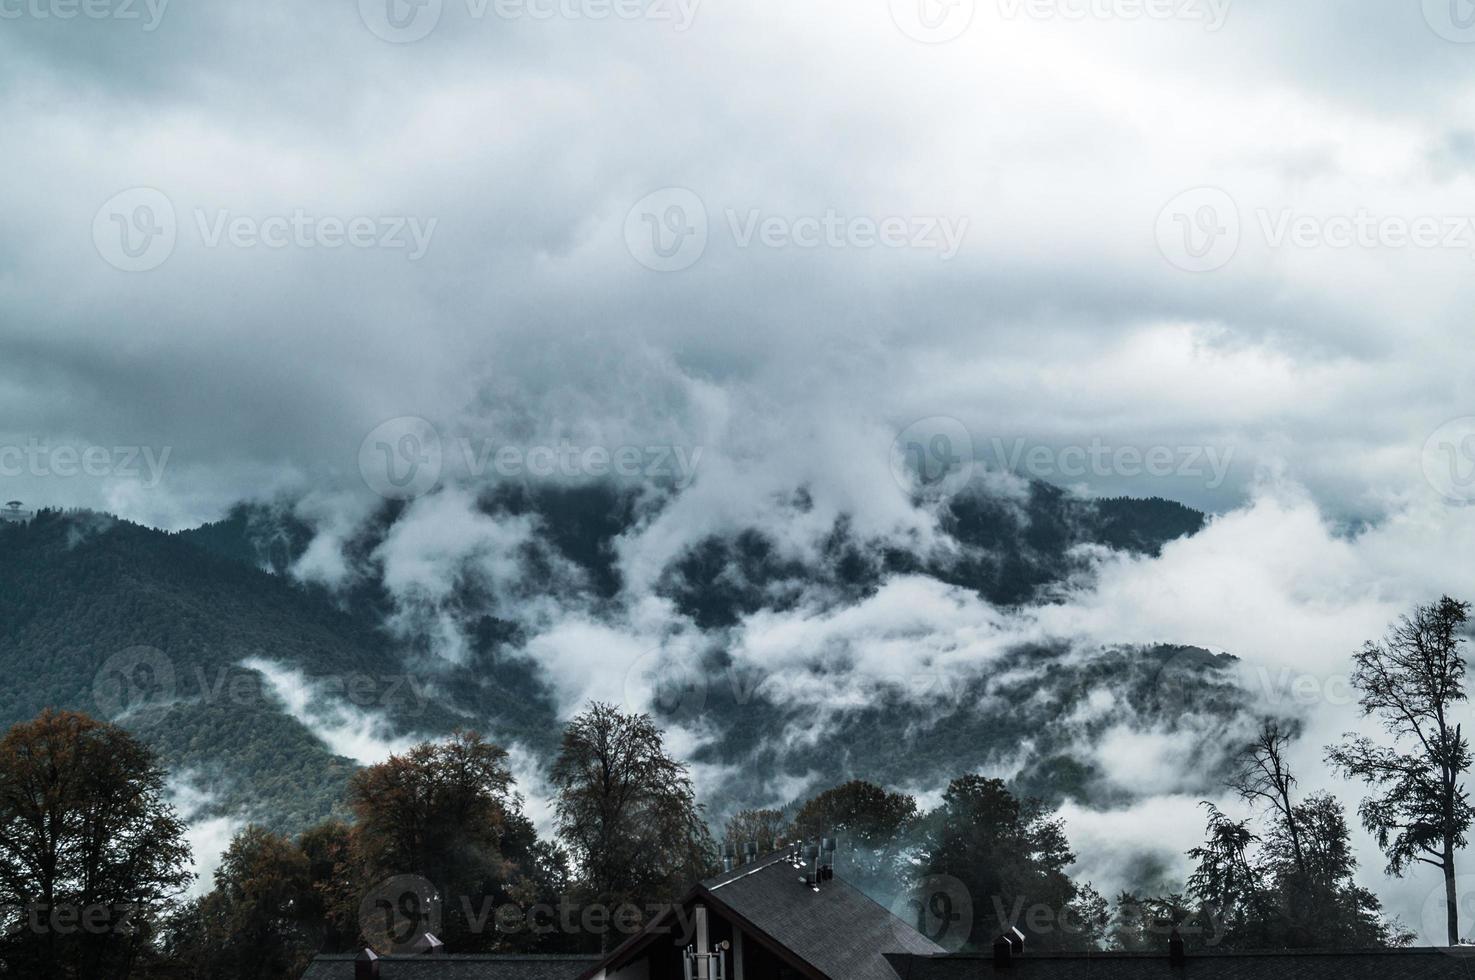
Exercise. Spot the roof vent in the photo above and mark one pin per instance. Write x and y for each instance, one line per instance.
(750, 852)
(1177, 952)
(366, 965)
(810, 863)
(1003, 953)
(427, 944)
(729, 856)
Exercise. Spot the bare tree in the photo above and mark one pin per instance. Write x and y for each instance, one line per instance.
(1262, 777)
(1411, 682)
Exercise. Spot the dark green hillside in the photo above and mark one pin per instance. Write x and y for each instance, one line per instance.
(77, 589)
(263, 537)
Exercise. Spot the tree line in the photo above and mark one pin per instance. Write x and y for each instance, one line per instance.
(95, 869)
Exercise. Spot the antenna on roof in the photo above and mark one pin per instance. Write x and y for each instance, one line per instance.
(812, 876)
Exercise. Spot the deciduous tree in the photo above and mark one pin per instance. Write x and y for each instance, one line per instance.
(627, 811)
(437, 812)
(1412, 682)
(1011, 854)
(90, 851)
(872, 828)
(762, 828)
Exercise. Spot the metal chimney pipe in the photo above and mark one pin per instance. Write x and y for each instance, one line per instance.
(704, 945)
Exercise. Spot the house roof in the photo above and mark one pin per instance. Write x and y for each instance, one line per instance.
(837, 933)
(483, 967)
(838, 930)
(1358, 964)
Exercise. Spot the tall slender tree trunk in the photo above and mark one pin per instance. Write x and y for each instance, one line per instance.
(1451, 901)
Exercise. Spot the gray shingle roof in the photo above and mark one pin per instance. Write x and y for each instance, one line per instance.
(1370, 964)
(838, 931)
(489, 967)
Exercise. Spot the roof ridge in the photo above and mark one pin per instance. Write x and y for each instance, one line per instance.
(725, 881)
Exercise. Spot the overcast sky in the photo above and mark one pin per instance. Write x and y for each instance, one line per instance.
(1012, 161)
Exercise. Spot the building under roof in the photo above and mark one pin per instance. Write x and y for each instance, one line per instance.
(787, 917)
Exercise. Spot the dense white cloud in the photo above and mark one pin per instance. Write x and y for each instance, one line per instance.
(1061, 139)
(346, 729)
(207, 836)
